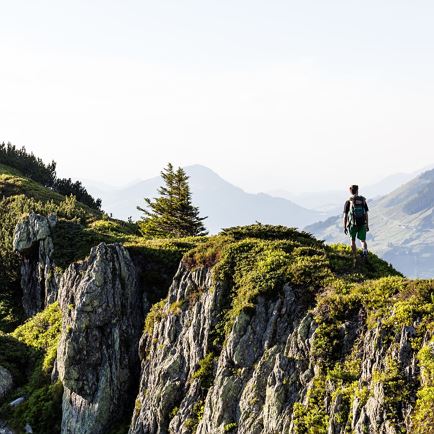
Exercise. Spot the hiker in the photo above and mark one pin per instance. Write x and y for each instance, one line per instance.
(356, 220)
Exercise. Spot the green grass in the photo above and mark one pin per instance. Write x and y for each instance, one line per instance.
(9, 171)
(312, 417)
(205, 371)
(159, 258)
(259, 259)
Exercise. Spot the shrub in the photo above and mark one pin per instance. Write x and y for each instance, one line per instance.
(205, 371)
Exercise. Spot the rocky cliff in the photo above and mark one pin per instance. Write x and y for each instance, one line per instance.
(271, 373)
(33, 240)
(262, 330)
(314, 354)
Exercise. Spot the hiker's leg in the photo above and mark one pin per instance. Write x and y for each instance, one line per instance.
(353, 246)
(352, 232)
(354, 249)
(362, 238)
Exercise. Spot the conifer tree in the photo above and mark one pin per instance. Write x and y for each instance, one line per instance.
(172, 214)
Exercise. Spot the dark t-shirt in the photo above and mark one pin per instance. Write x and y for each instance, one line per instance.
(348, 204)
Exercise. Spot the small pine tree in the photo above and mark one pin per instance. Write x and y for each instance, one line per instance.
(172, 214)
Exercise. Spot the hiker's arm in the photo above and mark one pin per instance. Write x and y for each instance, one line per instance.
(345, 220)
(367, 217)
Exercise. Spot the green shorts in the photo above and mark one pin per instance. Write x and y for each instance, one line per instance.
(360, 232)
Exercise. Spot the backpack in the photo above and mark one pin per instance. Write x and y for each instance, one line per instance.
(357, 211)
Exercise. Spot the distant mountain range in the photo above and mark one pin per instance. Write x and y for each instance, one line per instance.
(401, 227)
(224, 203)
(331, 202)
(228, 205)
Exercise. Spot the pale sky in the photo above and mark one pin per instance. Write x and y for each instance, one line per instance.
(296, 95)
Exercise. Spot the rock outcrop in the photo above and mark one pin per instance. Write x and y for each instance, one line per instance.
(171, 354)
(263, 375)
(102, 320)
(254, 337)
(33, 240)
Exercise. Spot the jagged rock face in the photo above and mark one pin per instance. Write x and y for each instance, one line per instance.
(171, 355)
(33, 240)
(375, 351)
(265, 367)
(247, 387)
(102, 319)
(6, 382)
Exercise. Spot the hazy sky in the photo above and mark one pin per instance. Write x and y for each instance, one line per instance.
(295, 95)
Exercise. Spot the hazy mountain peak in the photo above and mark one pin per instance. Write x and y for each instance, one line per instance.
(200, 169)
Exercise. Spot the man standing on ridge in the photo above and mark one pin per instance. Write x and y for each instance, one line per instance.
(356, 220)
